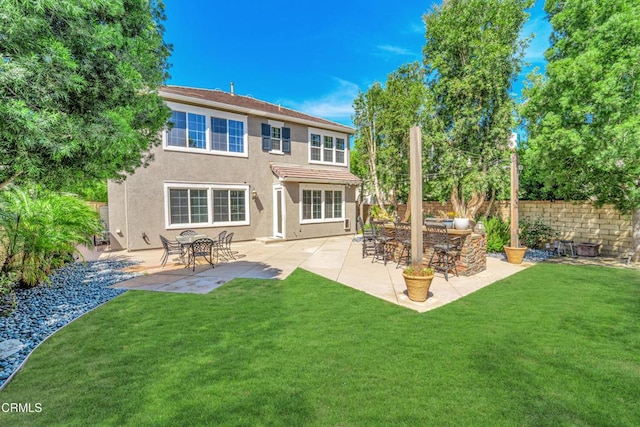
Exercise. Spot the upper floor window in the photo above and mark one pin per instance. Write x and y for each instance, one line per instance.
(327, 147)
(206, 131)
(276, 138)
(227, 135)
(189, 130)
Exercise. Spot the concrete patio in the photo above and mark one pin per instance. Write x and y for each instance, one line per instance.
(336, 258)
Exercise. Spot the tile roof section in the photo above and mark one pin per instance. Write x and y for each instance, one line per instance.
(248, 103)
(300, 173)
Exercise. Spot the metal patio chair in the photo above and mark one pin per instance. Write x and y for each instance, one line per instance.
(446, 249)
(170, 248)
(403, 238)
(383, 241)
(368, 238)
(202, 248)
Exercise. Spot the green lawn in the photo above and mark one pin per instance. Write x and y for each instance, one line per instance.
(553, 345)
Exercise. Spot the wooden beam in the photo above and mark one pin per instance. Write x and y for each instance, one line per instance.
(515, 242)
(415, 174)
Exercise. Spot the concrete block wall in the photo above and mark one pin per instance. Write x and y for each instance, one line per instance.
(577, 221)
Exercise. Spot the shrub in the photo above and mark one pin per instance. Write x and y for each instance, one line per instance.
(534, 233)
(39, 230)
(418, 270)
(7, 294)
(497, 232)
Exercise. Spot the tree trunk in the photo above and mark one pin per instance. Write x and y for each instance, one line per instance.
(492, 199)
(456, 201)
(373, 168)
(376, 184)
(635, 229)
(467, 209)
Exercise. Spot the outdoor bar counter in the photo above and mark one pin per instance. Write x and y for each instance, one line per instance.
(473, 253)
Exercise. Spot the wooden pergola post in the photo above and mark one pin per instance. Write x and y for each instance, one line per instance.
(515, 241)
(415, 174)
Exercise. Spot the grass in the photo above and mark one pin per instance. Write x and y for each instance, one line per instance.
(552, 345)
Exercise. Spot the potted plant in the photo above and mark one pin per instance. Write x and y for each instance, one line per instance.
(461, 219)
(448, 222)
(515, 254)
(417, 278)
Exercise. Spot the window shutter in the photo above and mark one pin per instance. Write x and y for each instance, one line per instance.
(266, 137)
(286, 140)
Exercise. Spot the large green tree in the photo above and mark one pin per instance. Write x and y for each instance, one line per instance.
(583, 117)
(473, 54)
(383, 117)
(78, 88)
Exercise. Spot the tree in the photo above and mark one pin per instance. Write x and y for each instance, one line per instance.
(383, 117)
(78, 88)
(404, 98)
(583, 117)
(367, 143)
(473, 54)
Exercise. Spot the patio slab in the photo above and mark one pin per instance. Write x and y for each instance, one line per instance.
(337, 258)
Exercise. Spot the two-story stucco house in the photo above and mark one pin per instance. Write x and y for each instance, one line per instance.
(235, 163)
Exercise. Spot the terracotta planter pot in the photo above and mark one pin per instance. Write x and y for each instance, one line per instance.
(417, 286)
(515, 255)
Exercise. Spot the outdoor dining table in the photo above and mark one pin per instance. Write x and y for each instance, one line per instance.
(187, 240)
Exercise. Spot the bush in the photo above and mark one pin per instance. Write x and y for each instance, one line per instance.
(7, 294)
(535, 233)
(39, 230)
(497, 232)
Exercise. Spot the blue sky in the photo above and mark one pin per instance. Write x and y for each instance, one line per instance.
(312, 57)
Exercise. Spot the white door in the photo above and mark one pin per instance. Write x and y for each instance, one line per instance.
(278, 211)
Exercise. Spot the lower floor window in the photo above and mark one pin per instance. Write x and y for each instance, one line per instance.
(322, 205)
(207, 205)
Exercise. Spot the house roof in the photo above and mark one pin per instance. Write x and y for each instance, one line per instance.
(318, 174)
(248, 105)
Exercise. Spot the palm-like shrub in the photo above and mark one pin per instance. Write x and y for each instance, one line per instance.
(39, 230)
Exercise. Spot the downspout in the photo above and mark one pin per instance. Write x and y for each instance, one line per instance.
(126, 214)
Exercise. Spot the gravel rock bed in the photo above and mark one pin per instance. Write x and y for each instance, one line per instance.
(532, 255)
(74, 290)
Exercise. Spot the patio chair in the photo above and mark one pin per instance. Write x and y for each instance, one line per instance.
(403, 238)
(382, 242)
(202, 248)
(446, 249)
(189, 233)
(368, 238)
(227, 253)
(170, 248)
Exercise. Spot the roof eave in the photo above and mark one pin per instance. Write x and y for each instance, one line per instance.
(320, 181)
(190, 99)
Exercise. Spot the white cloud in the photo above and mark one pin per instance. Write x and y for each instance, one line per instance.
(416, 28)
(336, 105)
(396, 50)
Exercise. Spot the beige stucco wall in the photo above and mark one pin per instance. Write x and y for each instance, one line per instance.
(145, 198)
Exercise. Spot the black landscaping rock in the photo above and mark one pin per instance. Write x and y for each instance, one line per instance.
(74, 290)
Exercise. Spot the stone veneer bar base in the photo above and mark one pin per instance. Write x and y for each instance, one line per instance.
(473, 256)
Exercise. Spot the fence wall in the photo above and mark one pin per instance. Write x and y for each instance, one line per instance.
(577, 221)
